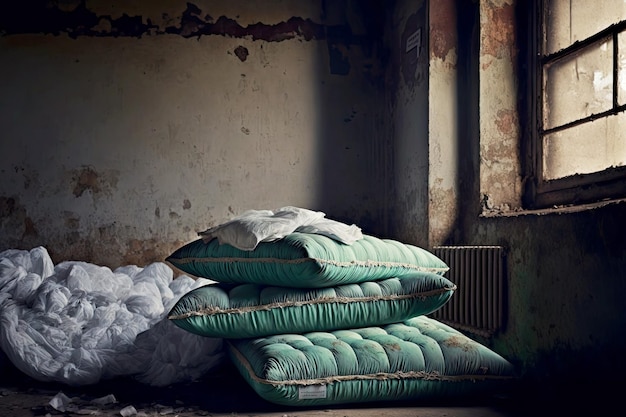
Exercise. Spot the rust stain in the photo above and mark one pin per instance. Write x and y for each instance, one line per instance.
(29, 228)
(141, 252)
(86, 179)
(443, 29)
(104, 245)
(499, 33)
(506, 121)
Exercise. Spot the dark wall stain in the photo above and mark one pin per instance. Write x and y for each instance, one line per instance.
(443, 32)
(142, 252)
(351, 117)
(29, 228)
(50, 17)
(72, 221)
(339, 60)
(18, 228)
(241, 52)
(7, 206)
(194, 25)
(42, 16)
(86, 179)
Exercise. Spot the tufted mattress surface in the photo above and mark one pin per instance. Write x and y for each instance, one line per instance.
(419, 358)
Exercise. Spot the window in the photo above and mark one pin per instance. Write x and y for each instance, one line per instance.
(578, 149)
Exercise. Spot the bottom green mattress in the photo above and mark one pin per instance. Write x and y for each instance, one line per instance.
(419, 358)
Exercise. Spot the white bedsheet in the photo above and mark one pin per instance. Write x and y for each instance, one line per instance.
(77, 323)
(252, 227)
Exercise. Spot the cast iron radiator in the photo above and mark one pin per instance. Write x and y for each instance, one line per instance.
(478, 302)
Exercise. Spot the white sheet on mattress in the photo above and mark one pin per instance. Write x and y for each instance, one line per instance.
(252, 227)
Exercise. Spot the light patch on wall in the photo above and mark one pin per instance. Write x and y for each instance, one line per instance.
(500, 178)
(414, 42)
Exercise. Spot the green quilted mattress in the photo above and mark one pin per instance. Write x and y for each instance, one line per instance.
(417, 359)
(305, 260)
(252, 310)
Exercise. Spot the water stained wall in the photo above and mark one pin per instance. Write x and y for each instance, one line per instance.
(129, 127)
(458, 174)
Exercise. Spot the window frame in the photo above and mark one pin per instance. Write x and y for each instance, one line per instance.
(580, 188)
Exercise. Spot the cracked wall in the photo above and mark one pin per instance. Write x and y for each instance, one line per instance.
(128, 127)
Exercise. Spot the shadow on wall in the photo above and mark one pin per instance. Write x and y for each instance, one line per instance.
(467, 27)
(354, 144)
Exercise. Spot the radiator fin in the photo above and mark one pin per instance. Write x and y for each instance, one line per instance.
(478, 303)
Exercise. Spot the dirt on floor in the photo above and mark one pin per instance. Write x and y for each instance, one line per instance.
(223, 393)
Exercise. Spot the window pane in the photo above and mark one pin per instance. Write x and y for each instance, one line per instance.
(569, 21)
(584, 149)
(579, 85)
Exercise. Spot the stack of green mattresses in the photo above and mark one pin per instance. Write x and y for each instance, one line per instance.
(311, 321)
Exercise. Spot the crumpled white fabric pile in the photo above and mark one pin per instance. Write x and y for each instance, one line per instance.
(78, 323)
(252, 227)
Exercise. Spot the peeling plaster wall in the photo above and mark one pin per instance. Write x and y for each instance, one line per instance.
(500, 172)
(129, 126)
(443, 122)
(565, 267)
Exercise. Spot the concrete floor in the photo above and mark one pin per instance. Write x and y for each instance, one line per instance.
(225, 393)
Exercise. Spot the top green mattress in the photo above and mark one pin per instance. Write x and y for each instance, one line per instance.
(305, 260)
